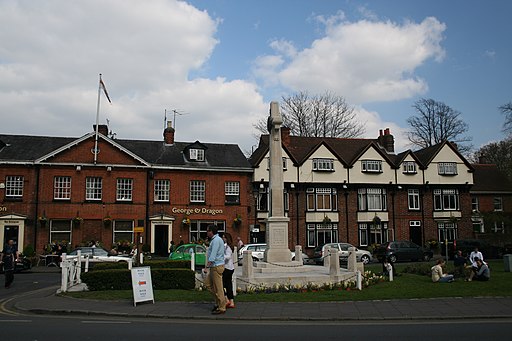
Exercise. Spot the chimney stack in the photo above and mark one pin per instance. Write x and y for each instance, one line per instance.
(102, 129)
(169, 133)
(387, 141)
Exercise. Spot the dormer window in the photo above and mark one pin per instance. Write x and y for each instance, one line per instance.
(371, 166)
(409, 167)
(324, 165)
(196, 154)
(447, 168)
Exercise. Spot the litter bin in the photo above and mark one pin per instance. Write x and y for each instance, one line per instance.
(507, 260)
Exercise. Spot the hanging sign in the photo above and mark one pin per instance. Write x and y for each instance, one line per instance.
(142, 285)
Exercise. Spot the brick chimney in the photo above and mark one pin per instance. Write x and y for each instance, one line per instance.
(169, 133)
(285, 136)
(102, 129)
(386, 140)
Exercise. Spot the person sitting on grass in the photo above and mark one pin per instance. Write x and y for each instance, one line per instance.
(481, 273)
(438, 275)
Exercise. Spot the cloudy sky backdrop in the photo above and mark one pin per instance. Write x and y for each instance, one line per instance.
(220, 63)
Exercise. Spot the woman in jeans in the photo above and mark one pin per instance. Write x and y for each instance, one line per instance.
(438, 275)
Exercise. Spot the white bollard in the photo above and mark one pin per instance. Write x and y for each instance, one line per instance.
(390, 271)
(359, 280)
(192, 260)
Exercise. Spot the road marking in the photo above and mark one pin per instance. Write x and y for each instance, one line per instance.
(107, 322)
(23, 321)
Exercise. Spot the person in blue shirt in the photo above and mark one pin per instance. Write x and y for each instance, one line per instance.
(215, 265)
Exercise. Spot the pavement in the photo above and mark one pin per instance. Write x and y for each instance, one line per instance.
(46, 301)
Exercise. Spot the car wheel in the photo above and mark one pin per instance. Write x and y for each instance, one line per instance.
(255, 259)
(365, 259)
(392, 259)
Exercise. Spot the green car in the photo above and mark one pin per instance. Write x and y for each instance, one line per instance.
(185, 251)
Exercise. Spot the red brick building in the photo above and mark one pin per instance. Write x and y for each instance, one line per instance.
(75, 190)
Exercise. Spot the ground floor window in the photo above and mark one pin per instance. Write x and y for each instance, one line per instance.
(60, 232)
(198, 229)
(123, 231)
(373, 233)
(447, 231)
(320, 234)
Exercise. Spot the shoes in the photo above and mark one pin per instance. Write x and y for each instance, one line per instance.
(215, 308)
(230, 306)
(218, 312)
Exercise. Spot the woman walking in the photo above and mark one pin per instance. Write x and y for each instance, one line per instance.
(229, 269)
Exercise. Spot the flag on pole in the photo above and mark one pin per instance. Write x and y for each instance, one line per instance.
(105, 90)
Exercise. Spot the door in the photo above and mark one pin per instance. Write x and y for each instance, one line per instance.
(162, 240)
(415, 234)
(11, 232)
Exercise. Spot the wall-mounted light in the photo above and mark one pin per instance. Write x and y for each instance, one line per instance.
(78, 168)
(292, 185)
(345, 186)
(399, 187)
(109, 169)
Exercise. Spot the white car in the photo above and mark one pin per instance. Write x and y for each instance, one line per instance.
(258, 253)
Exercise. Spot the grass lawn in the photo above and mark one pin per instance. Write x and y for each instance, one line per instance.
(404, 286)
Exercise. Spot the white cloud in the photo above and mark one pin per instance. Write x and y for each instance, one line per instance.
(366, 61)
(52, 52)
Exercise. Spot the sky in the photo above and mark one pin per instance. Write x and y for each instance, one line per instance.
(213, 66)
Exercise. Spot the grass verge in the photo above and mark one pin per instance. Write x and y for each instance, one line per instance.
(405, 286)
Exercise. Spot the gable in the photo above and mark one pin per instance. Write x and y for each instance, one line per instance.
(81, 151)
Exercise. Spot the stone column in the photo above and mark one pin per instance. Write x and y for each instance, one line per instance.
(277, 224)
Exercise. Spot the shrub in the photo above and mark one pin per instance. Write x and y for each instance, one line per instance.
(120, 279)
(29, 251)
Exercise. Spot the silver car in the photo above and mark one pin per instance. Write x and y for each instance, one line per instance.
(361, 255)
(258, 253)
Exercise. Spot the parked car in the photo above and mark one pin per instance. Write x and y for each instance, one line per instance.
(258, 253)
(90, 251)
(321, 251)
(184, 252)
(402, 250)
(467, 245)
(22, 264)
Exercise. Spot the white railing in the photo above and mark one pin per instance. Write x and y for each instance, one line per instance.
(72, 267)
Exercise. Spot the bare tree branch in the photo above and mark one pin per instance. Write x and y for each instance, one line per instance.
(435, 122)
(506, 109)
(324, 115)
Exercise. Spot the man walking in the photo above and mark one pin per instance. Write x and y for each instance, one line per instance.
(213, 280)
(8, 258)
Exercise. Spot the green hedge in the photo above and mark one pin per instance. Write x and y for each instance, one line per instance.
(153, 264)
(120, 279)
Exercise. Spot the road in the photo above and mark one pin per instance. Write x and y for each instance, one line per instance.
(23, 326)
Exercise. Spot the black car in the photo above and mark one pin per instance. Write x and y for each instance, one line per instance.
(402, 250)
(467, 245)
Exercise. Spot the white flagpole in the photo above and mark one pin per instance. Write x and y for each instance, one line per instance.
(97, 123)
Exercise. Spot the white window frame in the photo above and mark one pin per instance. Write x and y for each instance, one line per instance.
(323, 165)
(371, 199)
(232, 192)
(320, 234)
(446, 199)
(475, 204)
(497, 203)
(62, 227)
(93, 188)
(370, 233)
(409, 167)
(446, 231)
(124, 228)
(62, 188)
(162, 190)
(447, 168)
(197, 191)
(321, 199)
(124, 189)
(413, 199)
(196, 154)
(14, 186)
(371, 166)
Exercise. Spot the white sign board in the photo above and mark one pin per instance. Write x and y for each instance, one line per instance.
(142, 285)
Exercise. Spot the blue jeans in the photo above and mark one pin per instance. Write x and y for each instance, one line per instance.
(446, 279)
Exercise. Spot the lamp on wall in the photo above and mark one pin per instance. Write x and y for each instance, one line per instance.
(78, 168)
(109, 169)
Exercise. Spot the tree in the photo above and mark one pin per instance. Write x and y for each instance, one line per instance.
(498, 153)
(436, 122)
(506, 109)
(324, 115)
